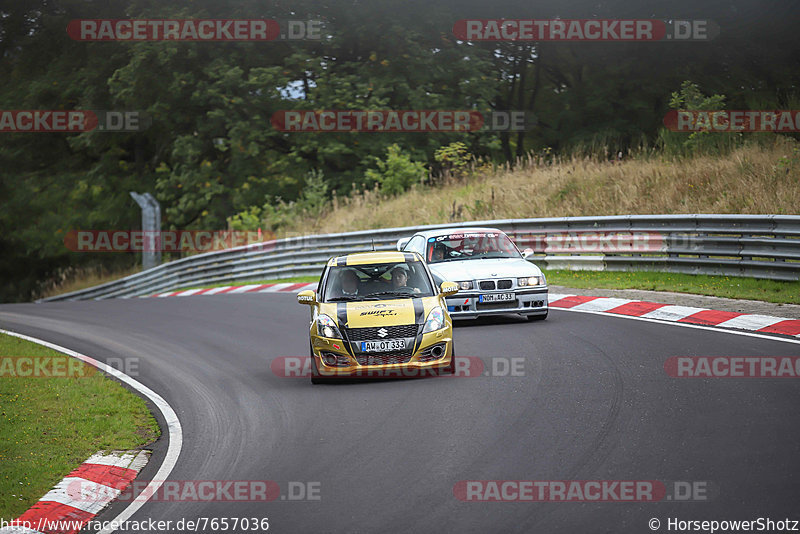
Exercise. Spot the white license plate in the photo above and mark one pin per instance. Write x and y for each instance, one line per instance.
(496, 297)
(383, 346)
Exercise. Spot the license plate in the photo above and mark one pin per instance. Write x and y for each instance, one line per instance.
(496, 297)
(383, 346)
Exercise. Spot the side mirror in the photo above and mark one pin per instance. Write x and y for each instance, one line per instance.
(401, 243)
(527, 252)
(308, 296)
(449, 288)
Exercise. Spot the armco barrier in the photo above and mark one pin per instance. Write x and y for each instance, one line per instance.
(762, 246)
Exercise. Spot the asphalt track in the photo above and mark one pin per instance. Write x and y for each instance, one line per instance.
(594, 403)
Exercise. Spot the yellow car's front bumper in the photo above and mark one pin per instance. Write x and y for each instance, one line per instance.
(424, 361)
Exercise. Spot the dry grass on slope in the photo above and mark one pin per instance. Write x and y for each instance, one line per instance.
(752, 179)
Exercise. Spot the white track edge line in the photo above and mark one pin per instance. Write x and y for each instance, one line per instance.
(170, 417)
(685, 325)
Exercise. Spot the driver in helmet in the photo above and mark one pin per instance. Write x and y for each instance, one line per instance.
(400, 278)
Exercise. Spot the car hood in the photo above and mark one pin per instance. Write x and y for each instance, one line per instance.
(456, 271)
(380, 313)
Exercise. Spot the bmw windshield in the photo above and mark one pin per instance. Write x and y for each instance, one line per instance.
(470, 246)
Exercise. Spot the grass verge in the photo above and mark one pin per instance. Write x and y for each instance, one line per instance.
(53, 424)
(716, 286)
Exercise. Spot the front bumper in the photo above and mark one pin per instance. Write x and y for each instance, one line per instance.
(353, 363)
(466, 305)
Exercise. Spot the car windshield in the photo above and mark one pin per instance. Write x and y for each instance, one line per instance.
(470, 246)
(377, 281)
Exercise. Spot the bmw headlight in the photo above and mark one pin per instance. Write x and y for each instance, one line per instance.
(530, 281)
(435, 320)
(466, 284)
(326, 327)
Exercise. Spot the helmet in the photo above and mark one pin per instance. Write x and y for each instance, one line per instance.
(400, 267)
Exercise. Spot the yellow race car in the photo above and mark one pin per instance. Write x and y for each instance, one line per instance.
(379, 314)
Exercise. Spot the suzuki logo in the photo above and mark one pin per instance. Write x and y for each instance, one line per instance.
(383, 332)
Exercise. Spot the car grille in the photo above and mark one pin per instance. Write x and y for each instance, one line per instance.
(486, 285)
(504, 284)
(392, 332)
(383, 358)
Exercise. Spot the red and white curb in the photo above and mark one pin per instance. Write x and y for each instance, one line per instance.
(681, 314)
(230, 290)
(81, 495)
(171, 424)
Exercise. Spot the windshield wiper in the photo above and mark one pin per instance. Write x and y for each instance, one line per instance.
(343, 298)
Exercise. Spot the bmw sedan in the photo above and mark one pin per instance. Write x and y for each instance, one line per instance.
(492, 275)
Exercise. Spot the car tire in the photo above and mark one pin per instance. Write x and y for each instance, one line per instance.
(537, 317)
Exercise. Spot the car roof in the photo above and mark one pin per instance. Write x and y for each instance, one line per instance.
(366, 258)
(457, 230)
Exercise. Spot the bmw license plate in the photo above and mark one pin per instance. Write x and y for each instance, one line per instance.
(385, 345)
(496, 297)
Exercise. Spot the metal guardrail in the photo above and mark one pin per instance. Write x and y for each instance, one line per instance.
(761, 246)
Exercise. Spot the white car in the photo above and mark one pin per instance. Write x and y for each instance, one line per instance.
(493, 276)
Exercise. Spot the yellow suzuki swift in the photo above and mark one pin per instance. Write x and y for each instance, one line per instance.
(379, 314)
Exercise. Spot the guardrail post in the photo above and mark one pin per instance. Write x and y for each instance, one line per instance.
(151, 226)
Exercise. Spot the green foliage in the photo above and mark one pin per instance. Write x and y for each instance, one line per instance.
(247, 220)
(397, 172)
(453, 158)
(279, 213)
(690, 98)
(314, 196)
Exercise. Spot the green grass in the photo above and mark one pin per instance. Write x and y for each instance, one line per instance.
(297, 280)
(51, 425)
(717, 286)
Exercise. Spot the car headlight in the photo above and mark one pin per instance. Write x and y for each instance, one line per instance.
(326, 327)
(466, 284)
(435, 320)
(530, 281)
